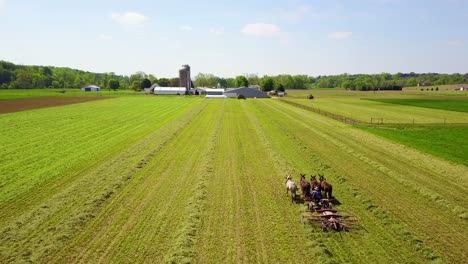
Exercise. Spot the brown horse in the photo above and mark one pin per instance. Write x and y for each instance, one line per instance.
(326, 187)
(314, 182)
(305, 187)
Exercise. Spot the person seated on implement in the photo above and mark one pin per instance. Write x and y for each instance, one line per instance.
(316, 196)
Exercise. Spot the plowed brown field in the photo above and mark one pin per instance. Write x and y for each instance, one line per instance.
(15, 105)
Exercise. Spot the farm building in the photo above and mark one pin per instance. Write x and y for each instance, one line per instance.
(169, 90)
(424, 84)
(247, 92)
(215, 93)
(91, 88)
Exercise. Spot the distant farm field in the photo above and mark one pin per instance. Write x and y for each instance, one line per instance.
(452, 105)
(449, 142)
(379, 111)
(191, 180)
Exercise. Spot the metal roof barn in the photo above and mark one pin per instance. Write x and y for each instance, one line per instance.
(91, 88)
(170, 90)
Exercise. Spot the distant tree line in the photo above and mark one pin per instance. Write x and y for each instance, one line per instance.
(386, 81)
(14, 76)
(26, 77)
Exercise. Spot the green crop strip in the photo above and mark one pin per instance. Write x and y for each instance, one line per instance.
(378, 112)
(452, 105)
(448, 142)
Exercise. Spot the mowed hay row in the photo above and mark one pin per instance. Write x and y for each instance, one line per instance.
(206, 185)
(54, 156)
(147, 219)
(248, 217)
(49, 216)
(389, 175)
(377, 238)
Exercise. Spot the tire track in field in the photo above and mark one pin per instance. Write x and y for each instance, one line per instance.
(410, 208)
(41, 232)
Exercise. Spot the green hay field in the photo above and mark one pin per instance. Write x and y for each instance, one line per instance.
(369, 111)
(452, 105)
(191, 180)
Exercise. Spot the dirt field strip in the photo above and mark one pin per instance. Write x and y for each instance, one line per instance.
(15, 105)
(439, 227)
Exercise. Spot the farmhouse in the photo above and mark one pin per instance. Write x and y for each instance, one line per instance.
(91, 88)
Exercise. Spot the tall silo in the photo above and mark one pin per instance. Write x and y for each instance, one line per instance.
(184, 77)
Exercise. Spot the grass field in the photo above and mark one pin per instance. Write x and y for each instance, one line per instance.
(452, 105)
(189, 180)
(366, 110)
(446, 87)
(449, 142)
(404, 94)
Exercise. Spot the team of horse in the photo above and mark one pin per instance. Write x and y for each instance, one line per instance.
(322, 185)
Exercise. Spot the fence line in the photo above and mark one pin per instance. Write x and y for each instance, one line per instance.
(379, 120)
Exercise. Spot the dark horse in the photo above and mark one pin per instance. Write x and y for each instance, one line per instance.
(326, 187)
(305, 187)
(314, 182)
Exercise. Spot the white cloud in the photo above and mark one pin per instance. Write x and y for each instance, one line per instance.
(104, 37)
(2, 3)
(340, 35)
(457, 43)
(217, 31)
(186, 28)
(261, 29)
(129, 18)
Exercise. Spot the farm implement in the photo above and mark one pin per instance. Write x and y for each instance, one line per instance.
(323, 215)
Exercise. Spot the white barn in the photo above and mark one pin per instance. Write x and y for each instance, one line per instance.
(215, 93)
(91, 88)
(170, 90)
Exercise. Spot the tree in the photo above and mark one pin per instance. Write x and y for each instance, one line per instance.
(268, 84)
(280, 88)
(174, 82)
(241, 81)
(152, 79)
(136, 85)
(253, 79)
(163, 82)
(347, 85)
(145, 83)
(114, 84)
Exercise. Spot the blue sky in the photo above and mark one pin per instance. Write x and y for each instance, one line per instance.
(229, 38)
